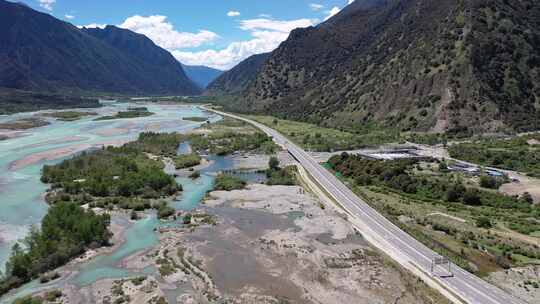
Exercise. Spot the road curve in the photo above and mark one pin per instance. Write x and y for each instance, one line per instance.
(461, 287)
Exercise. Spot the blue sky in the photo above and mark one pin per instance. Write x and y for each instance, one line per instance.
(215, 33)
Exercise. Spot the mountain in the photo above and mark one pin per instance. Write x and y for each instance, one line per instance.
(201, 75)
(439, 66)
(238, 78)
(41, 53)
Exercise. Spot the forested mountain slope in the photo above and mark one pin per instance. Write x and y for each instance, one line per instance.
(448, 65)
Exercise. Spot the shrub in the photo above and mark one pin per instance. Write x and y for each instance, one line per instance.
(472, 197)
(483, 222)
(273, 164)
(280, 177)
(195, 175)
(443, 167)
(187, 219)
(28, 300)
(455, 193)
(228, 183)
(53, 295)
(164, 210)
(489, 182)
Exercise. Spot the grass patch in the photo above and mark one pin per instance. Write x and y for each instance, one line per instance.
(195, 119)
(187, 161)
(24, 124)
(317, 138)
(134, 113)
(69, 115)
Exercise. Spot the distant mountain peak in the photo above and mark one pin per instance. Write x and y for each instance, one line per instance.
(201, 75)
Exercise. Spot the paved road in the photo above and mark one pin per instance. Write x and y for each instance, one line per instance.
(463, 284)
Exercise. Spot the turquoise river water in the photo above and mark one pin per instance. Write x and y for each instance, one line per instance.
(21, 192)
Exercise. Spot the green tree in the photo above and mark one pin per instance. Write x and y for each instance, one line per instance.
(455, 192)
(489, 182)
(443, 167)
(483, 222)
(472, 197)
(273, 163)
(187, 219)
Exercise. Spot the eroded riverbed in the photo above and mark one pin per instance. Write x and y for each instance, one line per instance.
(22, 157)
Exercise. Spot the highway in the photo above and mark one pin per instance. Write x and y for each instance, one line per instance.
(462, 287)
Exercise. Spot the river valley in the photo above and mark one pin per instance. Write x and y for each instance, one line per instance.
(261, 244)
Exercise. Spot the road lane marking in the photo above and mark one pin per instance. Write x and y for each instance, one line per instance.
(371, 215)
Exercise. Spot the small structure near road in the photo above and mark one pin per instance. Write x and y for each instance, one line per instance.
(474, 170)
(394, 154)
(465, 168)
(441, 267)
(494, 173)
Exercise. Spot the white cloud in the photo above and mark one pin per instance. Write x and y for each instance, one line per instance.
(331, 13)
(316, 6)
(163, 33)
(47, 4)
(266, 35)
(350, 2)
(70, 17)
(224, 59)
(274, 25)
(233, 14)
(93, 25)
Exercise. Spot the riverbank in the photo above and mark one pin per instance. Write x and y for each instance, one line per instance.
(269, 244)
(22, 192)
